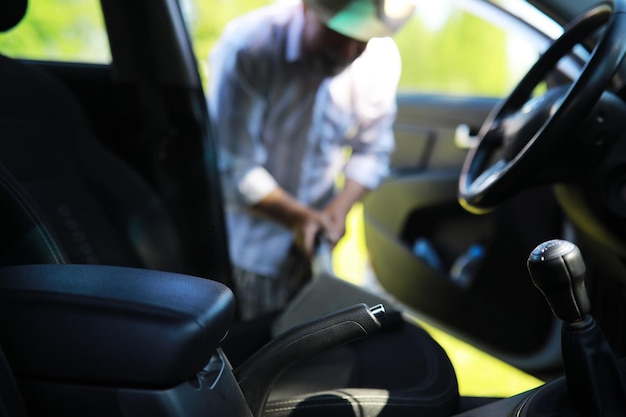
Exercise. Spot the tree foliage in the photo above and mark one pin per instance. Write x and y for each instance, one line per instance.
(464, 55)
(59, 30)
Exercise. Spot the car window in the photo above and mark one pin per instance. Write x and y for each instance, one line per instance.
(465, 48)
(206, 19)
(460, 47)
(59, 30)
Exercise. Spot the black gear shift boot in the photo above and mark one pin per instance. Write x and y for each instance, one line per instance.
(594, 379)
(554, 400)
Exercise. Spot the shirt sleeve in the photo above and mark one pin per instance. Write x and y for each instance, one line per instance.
(237, 109)
(376, 78)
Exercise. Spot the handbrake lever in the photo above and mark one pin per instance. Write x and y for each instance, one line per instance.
(256, 376)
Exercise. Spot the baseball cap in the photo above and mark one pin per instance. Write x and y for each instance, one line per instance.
(363, 19)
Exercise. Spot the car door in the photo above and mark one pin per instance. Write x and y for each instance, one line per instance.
(467, 272)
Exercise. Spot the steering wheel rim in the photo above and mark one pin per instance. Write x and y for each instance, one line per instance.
(481, 187)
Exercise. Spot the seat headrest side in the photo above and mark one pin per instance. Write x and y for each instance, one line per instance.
(11, 13)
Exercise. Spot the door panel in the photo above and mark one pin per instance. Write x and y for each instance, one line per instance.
(420, 194)
(467, 272)
(415, 214)
(425, 129)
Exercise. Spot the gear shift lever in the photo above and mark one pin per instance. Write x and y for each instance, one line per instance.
(595, 384)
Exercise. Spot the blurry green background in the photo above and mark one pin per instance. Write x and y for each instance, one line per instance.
(440, 58)
(443, 57)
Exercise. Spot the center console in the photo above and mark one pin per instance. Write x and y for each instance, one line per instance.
(114, 341)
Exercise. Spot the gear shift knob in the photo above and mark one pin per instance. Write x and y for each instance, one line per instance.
(594, 380)
(558, 271)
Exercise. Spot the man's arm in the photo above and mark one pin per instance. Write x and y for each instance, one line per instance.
(305, 222)
(368, 163)
(337, 210)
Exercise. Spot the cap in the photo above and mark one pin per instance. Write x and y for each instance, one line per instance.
(363, 19)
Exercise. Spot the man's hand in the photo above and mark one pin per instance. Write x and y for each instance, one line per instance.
(337, 210)
(305, 222)
(309, 227)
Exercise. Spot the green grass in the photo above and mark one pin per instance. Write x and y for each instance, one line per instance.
(479, 374)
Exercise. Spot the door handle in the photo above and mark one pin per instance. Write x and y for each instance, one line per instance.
(463, 139)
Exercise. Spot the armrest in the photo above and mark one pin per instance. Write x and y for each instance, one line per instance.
(110, 325)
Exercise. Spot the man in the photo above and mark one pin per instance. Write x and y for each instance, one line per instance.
(293, 85)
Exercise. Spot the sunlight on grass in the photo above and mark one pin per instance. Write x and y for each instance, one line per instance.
(479, 374)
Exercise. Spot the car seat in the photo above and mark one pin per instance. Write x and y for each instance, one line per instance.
(11, 404)
(80, 204)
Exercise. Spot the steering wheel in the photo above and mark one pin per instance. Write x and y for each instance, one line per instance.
(522, 133)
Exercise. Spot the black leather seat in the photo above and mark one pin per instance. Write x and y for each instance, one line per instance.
(11, 404)
(66, 199)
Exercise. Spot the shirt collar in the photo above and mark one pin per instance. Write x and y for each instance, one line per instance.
(293, 50)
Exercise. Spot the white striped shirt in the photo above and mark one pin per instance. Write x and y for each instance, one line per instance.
(281, 122)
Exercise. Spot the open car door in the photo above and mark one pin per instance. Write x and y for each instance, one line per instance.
(467, 272)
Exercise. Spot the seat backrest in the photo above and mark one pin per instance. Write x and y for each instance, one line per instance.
(11, 404)
(26, 236)
(47, 144)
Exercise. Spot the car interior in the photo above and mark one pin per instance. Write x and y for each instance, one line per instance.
(95, 221)
(114, 274)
